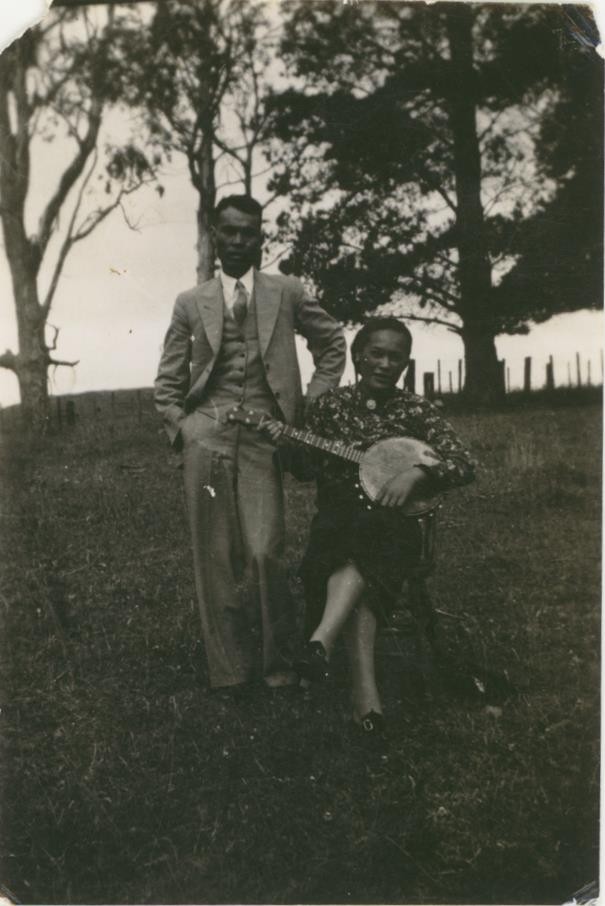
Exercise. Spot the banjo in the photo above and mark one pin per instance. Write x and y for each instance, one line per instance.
(377, 464)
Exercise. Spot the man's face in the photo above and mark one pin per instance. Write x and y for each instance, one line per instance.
(238, 239)
(382, 360)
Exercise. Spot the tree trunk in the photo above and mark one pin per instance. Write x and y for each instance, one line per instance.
(30, 364)
(207, 195)
(482, 383)
(32, 360)
(33, 387)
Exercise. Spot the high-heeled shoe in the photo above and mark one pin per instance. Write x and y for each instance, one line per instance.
(369, 733)
(371, 724)
(313, 664)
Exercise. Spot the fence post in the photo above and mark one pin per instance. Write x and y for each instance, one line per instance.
(578, 369)
(409, 382)
(70, 413)
(550, 374)
(502, 374)
(507, 379)
(569, 374)
(451, 383)
(527, 374)
(439, 375)
(459, 375)
(429, 385)
(588, 376)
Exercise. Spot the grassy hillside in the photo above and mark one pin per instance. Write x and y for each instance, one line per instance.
(126, 780)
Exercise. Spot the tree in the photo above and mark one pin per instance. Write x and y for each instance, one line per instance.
(197, 74)
(559, 249)
(409, 157)
(54, 85)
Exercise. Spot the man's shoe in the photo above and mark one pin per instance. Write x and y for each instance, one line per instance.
(313, 665)
(286, 679)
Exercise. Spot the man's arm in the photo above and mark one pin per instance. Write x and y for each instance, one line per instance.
(325, 341)
(172, 381)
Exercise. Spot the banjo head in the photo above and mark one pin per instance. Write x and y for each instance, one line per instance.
(389, 457)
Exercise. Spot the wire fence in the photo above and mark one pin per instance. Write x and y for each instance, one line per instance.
(123, 408)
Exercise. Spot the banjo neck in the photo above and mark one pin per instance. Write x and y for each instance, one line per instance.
(335, 447)
(377, 464)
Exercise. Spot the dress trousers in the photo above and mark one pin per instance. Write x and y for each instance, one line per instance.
(235, 509)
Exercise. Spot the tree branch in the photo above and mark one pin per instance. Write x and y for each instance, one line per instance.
(8, 360)
(57, 362)
(53, 345)
(435, 185)
(281, 254)
(232, 152)
(99, 215)
(68, 241)
(428, 320)
(70, 175)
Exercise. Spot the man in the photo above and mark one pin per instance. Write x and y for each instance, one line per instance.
(231, 342)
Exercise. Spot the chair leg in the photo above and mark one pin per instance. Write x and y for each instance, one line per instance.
(420, 606)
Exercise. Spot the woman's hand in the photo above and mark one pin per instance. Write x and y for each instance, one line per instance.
(273, 429)
(397, 490)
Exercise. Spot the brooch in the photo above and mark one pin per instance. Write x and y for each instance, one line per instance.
(370, 404)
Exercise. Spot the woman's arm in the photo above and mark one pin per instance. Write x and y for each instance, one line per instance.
(457, 466)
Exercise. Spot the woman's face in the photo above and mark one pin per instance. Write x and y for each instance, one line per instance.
(382, 360)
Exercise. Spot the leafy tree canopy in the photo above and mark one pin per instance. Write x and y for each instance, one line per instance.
(370, 166)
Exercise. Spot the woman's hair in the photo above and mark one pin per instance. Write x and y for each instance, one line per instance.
(372, 326)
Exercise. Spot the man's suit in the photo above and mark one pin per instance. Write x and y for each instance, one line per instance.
(232, 477)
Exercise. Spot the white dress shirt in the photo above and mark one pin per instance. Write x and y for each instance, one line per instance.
(228, 285)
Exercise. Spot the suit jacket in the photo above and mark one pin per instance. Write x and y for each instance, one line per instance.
(194, 339)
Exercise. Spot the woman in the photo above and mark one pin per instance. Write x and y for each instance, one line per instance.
(358, 555)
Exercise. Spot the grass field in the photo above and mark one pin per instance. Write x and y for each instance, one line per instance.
(126, 781)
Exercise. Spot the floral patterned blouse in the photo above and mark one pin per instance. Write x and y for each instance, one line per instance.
(349, 414)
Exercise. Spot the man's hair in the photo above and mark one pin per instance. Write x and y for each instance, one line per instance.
(244, 203)
(372, 326)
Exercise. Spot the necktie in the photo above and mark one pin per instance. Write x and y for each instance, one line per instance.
(240, 303)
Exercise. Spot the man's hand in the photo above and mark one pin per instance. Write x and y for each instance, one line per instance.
(397, 490)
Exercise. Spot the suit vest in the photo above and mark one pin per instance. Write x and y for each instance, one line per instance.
(238, 375)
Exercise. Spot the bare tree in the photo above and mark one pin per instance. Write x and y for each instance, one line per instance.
(198, 75)
(55, 83)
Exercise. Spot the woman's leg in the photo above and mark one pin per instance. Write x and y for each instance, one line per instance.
(345, 588)
(361, 637)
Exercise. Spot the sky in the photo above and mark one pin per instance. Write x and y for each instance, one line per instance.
(115, 298)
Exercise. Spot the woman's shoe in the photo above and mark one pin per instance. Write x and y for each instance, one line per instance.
(369, 733)
(371, 724)
(313, 665)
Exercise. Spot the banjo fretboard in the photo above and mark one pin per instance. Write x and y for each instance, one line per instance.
(335, 447)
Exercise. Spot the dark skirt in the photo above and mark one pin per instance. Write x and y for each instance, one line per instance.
(383, 545)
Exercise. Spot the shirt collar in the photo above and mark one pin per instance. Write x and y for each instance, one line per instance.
(367, 402)
(228, 284)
